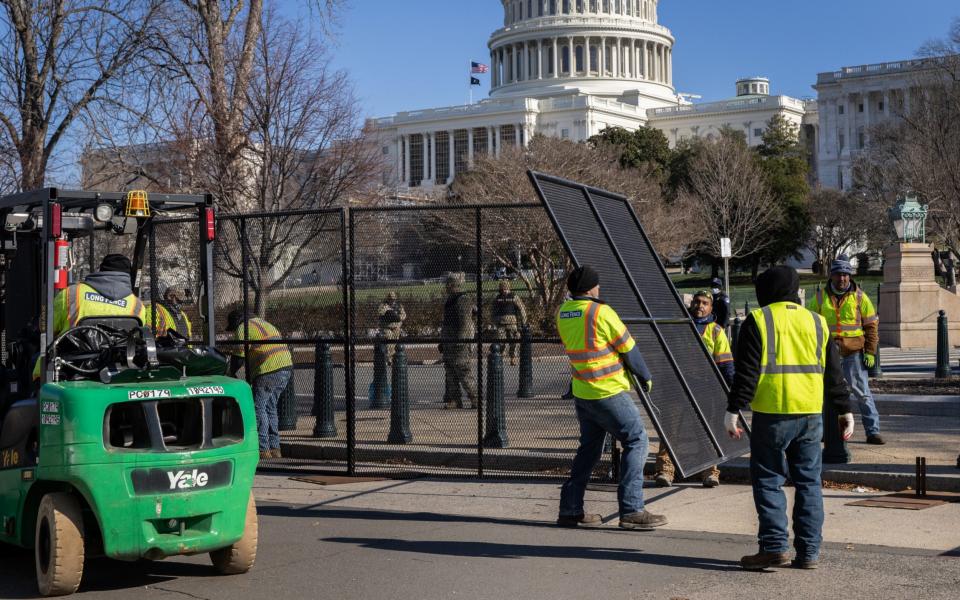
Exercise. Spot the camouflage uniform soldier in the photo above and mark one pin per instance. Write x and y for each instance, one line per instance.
(458, 324)
(391, 316)
(508, 317)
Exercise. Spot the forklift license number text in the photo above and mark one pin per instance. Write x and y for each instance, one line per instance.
(9, 458)
(147, 394)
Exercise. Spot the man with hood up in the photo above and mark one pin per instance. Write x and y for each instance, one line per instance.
(786, 369)
(106, 293)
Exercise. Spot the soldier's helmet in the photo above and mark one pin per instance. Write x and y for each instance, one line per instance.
(454, 279)
(391, 297)
(504, 286)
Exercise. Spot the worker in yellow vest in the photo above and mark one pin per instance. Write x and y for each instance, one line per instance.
(786, 369)
(106, 293)
(271, 366)
(601, 351)
(169, 312)
(715, 339)
(854, 328)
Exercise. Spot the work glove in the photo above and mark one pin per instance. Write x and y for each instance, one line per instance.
(648, 386)
(846, 425)
(869, 360)
(731, 422)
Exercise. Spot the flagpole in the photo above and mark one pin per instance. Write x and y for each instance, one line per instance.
(470, 80)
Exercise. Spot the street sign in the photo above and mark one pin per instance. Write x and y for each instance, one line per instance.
(725, 251)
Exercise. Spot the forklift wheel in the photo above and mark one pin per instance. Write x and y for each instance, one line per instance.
(239, 557)
(58, 548)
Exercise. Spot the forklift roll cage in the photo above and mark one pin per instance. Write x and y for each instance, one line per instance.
(44, 203)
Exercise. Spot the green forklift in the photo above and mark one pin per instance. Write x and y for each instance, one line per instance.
(117, 440)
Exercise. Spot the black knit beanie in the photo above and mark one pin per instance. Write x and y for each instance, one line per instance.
(582, 279)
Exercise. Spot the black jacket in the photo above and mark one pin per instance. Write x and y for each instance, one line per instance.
(779, 284)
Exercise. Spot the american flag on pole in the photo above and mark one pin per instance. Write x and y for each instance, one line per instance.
(476, 67)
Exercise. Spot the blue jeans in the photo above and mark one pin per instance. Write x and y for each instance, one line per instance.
(266, 392)
(782, 446)
(855, 372)
(617, 415)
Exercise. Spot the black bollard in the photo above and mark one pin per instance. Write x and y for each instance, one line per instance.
(287, 406)
(525, 371)
(834, 448)
(379, 392)
(943, 347)
(735, 335)
(326, 424)
(875, 371)
(746, 309)
(496, 436)
(400, 400)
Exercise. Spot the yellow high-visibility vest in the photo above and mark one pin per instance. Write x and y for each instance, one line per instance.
(80, 301)
(794, 342)
(166, 320)
(715, 339)
(594, 337)
(264, 358)
(846, 315)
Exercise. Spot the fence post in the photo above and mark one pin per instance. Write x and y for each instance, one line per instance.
(735, 335)
(399, 401)
(326, 424)
(287, 406)
(496, 436)
(876, 371)
(943, 347)
(379, 392)
(525, 371)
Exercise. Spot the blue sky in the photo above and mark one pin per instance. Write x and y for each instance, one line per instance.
(414, 54)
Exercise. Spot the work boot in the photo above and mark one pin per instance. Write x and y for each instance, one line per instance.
(642, 521)
(450, 404)
(265, 455)
(875, 439)
(711, 481)
(579, 520)
(513, 361)
(661, 480)
(764, 560)
(805, 563)
(276, 453)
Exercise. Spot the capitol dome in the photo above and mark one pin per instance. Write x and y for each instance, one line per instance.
(612, 48)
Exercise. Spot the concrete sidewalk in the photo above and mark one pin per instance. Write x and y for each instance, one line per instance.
(543, 438)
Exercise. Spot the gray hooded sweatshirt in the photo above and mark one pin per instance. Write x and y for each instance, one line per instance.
(114, 285)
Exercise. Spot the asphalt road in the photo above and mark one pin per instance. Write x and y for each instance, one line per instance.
(326, 551)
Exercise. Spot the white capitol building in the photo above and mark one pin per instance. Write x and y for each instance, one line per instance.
(570, 69)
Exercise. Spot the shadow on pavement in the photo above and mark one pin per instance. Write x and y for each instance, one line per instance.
(513, 551)
(17, 579)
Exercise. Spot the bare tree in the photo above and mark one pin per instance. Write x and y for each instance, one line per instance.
(503, 180)
(305, 152)
(841, 222)
(920, 150)
(728, 197)
(58, 58)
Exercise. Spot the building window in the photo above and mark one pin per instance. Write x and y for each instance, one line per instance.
(841, 142)
(566, 7)
(386, 149)
(479, 141)
(579, 55)
(530, 8)
(758, 133)
(840, 177)
(861, 138)
(860, 107)
(508, 136)
(416, 160)
(840, 109)
(550, 60)
(460, 147)
(442, 142)
(553, 7)
(564, 134)
(880, 106)
(565, 60)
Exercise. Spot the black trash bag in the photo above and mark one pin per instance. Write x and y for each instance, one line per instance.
(172, 350)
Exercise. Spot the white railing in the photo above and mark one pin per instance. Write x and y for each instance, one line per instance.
(599, 21)
(447, 112)
(878, 69)
(732, 105)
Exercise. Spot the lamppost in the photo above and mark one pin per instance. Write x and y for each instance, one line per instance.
(909, 219)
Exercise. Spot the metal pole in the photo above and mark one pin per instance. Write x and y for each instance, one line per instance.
(325, 425)
(400, 400)
(479, 333)
(496, 436)
(875, 371)
(943, 347)
(525, 371)
(726, 277)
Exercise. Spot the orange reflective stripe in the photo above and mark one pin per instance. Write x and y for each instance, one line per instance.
(872, 319)
(585, 355)
(74, 314)
(722, 358)
(590, 326)
(624, 339)
(598, 373)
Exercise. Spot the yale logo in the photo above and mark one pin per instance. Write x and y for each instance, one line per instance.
(93, 297)
(183, 480)
(571, 314)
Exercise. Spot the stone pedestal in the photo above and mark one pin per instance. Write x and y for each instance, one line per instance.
(910, 299)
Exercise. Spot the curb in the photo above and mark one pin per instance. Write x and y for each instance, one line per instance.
(502, 463)
(920, 406)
